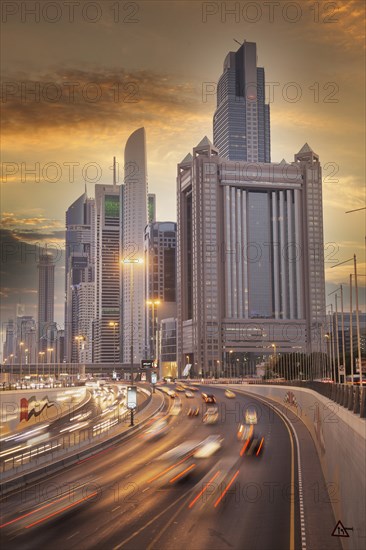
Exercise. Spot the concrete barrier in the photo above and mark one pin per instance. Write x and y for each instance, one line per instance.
(340, 440)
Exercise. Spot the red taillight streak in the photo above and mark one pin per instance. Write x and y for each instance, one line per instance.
(182, 473)
(226, 489)
(33, 511)
(260, 446)
(203, 490)
(170, 468)
(60, 511)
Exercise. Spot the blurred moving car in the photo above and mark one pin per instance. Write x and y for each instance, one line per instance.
(157, 429)
(189, 394)
(229, 394)
(179, 388)
(208, 398)
(211, 416)
(172, 394)
(251, 416)
(215, 485)
(193, 411)
(253, 445)
(209, 446)
(244, 431)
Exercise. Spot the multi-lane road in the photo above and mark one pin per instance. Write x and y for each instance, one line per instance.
(129, 497)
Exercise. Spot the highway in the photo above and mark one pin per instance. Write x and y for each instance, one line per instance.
(128, 497)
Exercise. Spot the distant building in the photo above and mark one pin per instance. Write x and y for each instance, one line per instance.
(107, 235)
(160, 278)
(241, 125)
(79, 266)
(9, 344)
(46, 297)
(26, 339)
(134, 221)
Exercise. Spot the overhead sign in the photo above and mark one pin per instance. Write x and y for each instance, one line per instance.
(131, 397)
(146, 364)
(154, 377)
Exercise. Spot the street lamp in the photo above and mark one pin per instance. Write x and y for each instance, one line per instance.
(21, 344)
(230, 363)
(41, 354)
(131, 262)
(114, 324)
(154, 303)
(50, 350)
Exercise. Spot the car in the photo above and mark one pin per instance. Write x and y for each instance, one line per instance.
(229, 394)
(189, 394)
(251, 416)
(193, 411)
(209, 446)
(244, 431)
(253, 445)
(208, 398)
(172, 394)
(211, 416)
(179, 388)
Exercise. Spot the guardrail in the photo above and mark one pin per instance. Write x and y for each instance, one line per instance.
(349, 396)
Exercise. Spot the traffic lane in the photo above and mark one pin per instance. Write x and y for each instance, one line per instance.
(94, 512)
(109, 465)
(105, 502)
(254, 513)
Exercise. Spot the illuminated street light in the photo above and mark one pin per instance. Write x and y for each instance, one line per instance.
(114, 324)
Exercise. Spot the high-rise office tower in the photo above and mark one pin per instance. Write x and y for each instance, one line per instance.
(79, 268)
(134, 221)
(46, 296)
(107, 233)
(9, 344)
(241, 126)
(250, 267)
(26, 338)
(160, 278)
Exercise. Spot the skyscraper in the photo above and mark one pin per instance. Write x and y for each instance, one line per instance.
(134, 221)
(107, 233)
(46, 296)
(79, 268)
(250, 264)
(241, 125)
(160, 277)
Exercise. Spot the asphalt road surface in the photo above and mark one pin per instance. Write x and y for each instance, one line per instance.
(128, 497)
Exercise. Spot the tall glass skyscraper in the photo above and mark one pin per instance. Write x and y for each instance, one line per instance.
(241, 125)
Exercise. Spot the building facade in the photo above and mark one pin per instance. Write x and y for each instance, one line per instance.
(160, 279)
(79, 267)
(107, 236)
(241, 125)
(133, 223)
(250, 265)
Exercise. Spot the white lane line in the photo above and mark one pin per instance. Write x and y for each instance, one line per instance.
(73, 535)
(116, 508)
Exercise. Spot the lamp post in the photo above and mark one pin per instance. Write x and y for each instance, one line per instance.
(131, 262)
(50, 350)
(153, 304)
(21, 344)
(42, 354)
(114, 324)
(274, 354)
(27, 362)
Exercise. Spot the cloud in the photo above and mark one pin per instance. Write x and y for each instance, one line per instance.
(95, 100)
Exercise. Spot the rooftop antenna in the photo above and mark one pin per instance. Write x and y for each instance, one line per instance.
(114, 171)
(237, 41)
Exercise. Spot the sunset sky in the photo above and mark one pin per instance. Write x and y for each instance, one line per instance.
(161, 56)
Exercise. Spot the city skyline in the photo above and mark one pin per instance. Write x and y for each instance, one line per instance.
(35, 212)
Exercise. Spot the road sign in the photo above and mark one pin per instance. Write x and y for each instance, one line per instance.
(341, 531)
(146, 364)
(154, 377)
(131, 397)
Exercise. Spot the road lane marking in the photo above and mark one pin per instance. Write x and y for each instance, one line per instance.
(125, 541)
(288, 423)
(41, 520)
